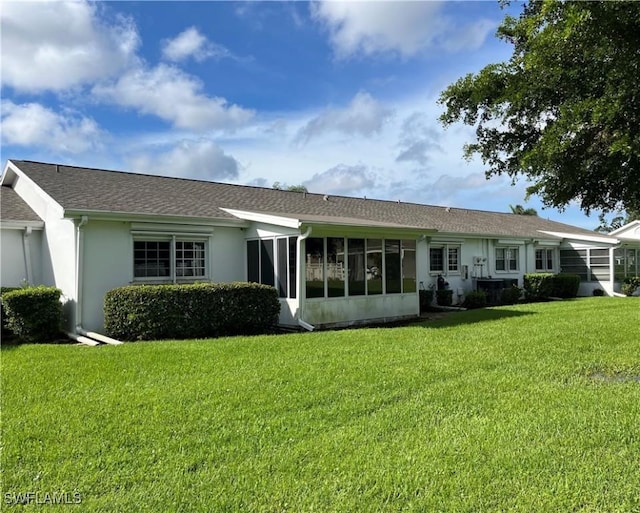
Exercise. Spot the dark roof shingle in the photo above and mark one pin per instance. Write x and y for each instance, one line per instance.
(77, 188)
(14, 208)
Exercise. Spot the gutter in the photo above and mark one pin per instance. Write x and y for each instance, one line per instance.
(301, 300)
(80, 334)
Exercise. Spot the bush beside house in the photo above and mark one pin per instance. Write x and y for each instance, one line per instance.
(541, 286)
(149, 312)
(33, 314)
(630, 285)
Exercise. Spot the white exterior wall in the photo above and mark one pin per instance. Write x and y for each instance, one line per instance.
(14, 259)
(108, 262)
(57, 255)
(348, 310)
(227, 260)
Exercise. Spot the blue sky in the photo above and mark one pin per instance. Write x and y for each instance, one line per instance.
(338, 96)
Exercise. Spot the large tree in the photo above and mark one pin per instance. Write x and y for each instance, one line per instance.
(564, 110)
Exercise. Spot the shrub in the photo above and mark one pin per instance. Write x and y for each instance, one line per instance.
(565, 285)
(33, 314)
(475, 299)
(538, 286)
(426, 297)
(630, 285)
(510, 295)
(598, 292)
(148, 312)
(444, 297)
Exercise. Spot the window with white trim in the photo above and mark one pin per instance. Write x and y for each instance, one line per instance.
(169, 259)
(507, 259)
(444, 259)
(544, 260)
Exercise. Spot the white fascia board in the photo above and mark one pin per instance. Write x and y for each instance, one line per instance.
(133, 217)
(580, 237)
(633, 226)
(286, 222)
(9, 224)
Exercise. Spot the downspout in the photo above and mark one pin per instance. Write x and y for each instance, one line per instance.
(27, 254)
(79, 269)
(80, 334)
(299, 287)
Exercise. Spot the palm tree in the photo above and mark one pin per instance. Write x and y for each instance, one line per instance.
(521, 211)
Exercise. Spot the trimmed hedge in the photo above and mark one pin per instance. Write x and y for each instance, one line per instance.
(630, 285)
(510, 295)
(565, 285)
(201, 310)
(538, 286)
(475, 299)
(33, 314)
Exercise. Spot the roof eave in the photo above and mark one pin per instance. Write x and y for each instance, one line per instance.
(104, 215)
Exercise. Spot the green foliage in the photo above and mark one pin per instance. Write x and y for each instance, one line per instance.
(528, 408)
(426, 298)
(565, 285)
(521, 211)
(564, 109)
(618, 221)
(475, 299)
(145, 312)
(33, 314)
(292, 188)
(6, 332)
(510, 295)
(630, 285)
(538, 286)
(444, 297)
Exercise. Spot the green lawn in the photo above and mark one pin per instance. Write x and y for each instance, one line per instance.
(531, 408)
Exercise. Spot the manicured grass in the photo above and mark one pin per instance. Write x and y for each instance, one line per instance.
(528, 408)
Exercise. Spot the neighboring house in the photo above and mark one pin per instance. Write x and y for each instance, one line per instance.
(334, 260)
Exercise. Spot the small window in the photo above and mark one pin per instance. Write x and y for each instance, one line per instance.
(507, 259)
(168, 260)
(151, 259)
(436, 260)
(544, 260)
(190, 259)
(444, 259)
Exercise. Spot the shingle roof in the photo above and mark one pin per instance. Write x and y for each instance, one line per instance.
(13, 207)
(77, 188)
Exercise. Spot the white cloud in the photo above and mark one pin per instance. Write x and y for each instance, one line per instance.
(418, 139)
(363, 116)
(200, 159)
(342, 179)
(169, 93)
(31, 124)
(59, 45)
(191, 43)
(405, 28)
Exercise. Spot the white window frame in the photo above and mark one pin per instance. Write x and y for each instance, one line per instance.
(507, 258)
(548, 256)
(173, 275)
(446, 259)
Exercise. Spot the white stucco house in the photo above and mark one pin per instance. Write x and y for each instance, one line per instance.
(334, 260)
